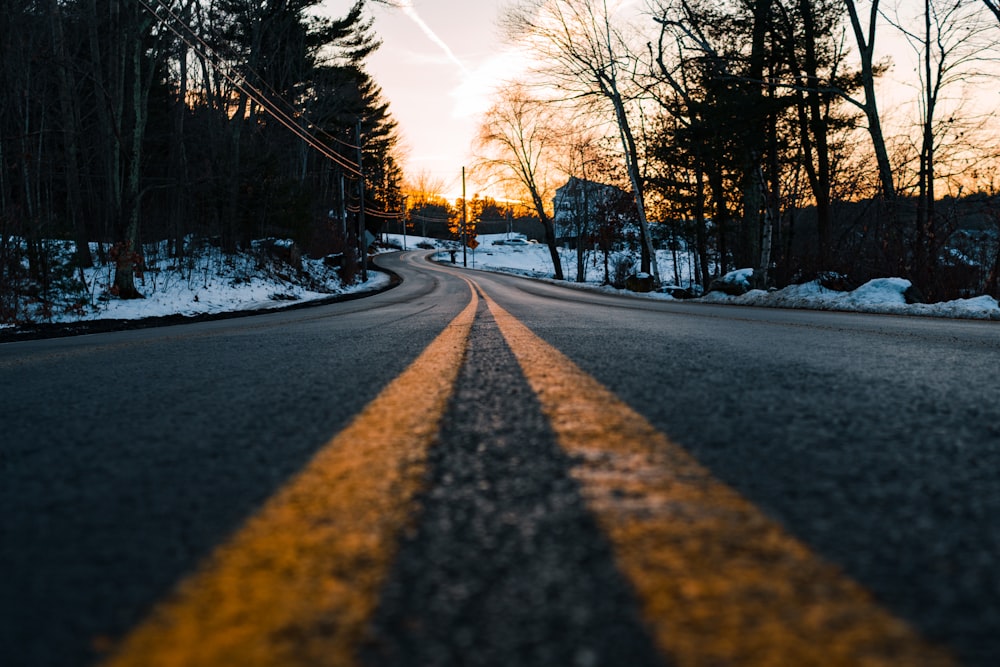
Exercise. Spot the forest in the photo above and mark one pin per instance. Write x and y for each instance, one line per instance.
(130, 122)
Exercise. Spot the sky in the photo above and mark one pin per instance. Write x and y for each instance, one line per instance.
(439, 62)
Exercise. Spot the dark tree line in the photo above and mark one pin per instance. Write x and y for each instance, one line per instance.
(761, 140)
(728, 132)
(124, 122)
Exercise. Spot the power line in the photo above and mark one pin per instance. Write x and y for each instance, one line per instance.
(244, 85)
(240, 82)
(377, 212)
(276, 95)
(257, 96)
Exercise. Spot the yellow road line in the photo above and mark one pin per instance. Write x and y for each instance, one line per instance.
(719, 583)
(297, 584)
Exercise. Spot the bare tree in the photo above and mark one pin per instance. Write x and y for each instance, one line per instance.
(994, 7)
(70, 117)
(586, 56)
(869, 72)
(952, 43)
(516, 139)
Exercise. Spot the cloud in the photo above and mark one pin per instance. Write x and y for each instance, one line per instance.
(411, 12)
(475, 94)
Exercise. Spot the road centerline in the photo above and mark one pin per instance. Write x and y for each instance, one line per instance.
(505, 565)
(298, 582)
(719, 582)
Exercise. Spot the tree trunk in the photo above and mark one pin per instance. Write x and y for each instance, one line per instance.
(231, 230)
(107, 89)
(701, 236)
(126, 263)
(130, 263)
(178, 157)
(866, 49)
(926, 247)
(716, 180)
(753, 206)
(550, 234)
(814, 133)
(70, 129)
(581, 232)
(753, 186)
(648, 261)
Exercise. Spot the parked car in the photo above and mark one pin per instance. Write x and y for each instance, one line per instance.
(516, 242)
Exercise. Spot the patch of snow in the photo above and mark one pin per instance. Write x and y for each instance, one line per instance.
(207, 282)
(882, 295)
(738, 277)
(204, 282)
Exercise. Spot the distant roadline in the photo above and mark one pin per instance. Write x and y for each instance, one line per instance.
(719, 582)
(298, 582)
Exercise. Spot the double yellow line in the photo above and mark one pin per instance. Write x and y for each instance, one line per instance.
(718, 582)
(297, 584)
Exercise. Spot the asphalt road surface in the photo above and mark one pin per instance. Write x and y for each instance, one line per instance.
(476, 469)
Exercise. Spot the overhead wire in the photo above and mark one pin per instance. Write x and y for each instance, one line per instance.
(254, 94)
(376, 212)
(259, 97)
(276, 95)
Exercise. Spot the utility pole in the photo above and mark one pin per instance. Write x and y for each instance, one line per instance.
(362, 241)
(405, 197)
(464, 240)
(343, 209)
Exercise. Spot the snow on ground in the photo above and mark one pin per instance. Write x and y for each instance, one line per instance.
(532, 258)
(209, 282)
(224, 290)
(205, 282)
(882, 295)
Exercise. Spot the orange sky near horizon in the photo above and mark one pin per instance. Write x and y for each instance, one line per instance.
(441, 60)
(438, 65)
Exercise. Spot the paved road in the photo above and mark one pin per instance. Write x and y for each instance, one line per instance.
(517, 473)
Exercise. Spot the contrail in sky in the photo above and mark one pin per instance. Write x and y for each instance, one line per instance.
(407, 7)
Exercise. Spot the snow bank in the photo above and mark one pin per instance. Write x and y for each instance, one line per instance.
(205, 281)
(882, 295)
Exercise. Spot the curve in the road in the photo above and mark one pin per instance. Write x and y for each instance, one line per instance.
(718, 582)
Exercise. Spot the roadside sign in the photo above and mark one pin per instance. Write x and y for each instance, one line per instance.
(472, 243)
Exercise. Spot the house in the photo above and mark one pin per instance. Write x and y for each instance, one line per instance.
(583, 207)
